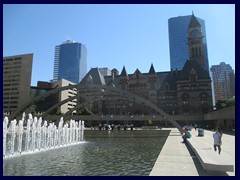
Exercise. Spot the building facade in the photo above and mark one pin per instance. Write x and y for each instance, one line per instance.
(47, 102)
(223, 81)
(185, 91)
(70, 61)
(178, 41)
(17, 72)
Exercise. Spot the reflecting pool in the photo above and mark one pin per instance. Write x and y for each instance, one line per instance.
(103, 153)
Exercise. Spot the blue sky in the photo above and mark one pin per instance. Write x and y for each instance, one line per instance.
(115, 35)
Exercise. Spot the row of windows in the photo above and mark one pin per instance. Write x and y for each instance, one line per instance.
(11, 89)
(6, 80)
(7, 98)
(195, 42)
(11, 76)
(71, 105)
(168, 104)
(12, 84)
(12, 67)
(12, 93)
(12, 72)
(9, 107)
(137, 86)
(196, 52)
(72, 92)
(11, 59)
(167, 97)
(10, 102)
(116, 106)
(195, 88)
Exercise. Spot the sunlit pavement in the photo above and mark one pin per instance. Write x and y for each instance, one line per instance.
(177, 158)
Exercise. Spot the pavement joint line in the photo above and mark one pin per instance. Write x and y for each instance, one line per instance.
(168, 158)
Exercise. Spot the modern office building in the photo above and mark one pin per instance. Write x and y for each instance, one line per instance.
(43, 87)
(178, 41)
(70, 61)
(17, 72)
(223, 81)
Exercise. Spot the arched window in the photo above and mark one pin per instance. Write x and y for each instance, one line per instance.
(196, 51)
(200, 53)
(166, 87)
(193, 78)
(192, 52)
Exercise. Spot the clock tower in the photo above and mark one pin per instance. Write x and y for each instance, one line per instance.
(195, 42)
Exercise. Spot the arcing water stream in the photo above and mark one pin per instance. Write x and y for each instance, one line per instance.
(38, 135)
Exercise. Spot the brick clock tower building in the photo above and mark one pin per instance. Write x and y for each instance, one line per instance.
(194, 83)
(195, 42)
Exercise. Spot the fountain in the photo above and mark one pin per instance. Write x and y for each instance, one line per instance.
(38, 135)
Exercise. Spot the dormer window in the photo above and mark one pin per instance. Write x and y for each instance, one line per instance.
(193, 78)
(166, 87)
(193, 75)
(137, 75)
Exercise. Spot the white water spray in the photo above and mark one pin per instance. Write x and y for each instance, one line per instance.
(38, 135)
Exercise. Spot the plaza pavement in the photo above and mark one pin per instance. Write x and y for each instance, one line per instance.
(177, 158)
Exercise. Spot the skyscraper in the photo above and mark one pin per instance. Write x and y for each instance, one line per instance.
(223, 81)
(70, 61)
(178, 41)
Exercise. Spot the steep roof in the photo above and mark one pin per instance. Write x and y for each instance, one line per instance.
(194, 22)
(152, 70)
(124, 72)
(96, 76)
(189, 65)
(161, 77)
(170, 79)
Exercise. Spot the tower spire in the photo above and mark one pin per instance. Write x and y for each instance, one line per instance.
(194, 22)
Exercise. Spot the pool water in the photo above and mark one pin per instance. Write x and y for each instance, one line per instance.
(103, 153)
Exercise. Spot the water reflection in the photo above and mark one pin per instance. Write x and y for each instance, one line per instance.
(104, 153)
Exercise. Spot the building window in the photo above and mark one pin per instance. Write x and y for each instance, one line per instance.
(18, 58)
(166, 87)
(196, 51)
(203, 96)
(192, 52)
(200, 53)
(185, 96)
(193, 78)
(185, 102)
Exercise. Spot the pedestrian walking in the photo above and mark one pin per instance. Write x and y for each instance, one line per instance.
(217, 138)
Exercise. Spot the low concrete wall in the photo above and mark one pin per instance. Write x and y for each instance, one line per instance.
(225, 113)
(223, 117)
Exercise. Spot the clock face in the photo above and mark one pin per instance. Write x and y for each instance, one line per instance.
(194, 32)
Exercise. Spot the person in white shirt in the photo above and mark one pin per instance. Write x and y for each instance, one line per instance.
(217, 138)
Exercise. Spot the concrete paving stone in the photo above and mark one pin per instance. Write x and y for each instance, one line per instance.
(176, 169)
(176, 159)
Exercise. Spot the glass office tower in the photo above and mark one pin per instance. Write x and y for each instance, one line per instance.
(178, 34)
(70, 61)
(223, 80)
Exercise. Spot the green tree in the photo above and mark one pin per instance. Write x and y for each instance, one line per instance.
(150, 122)
(56, 111)
(32, 110)
(85, 111)
(225, 103)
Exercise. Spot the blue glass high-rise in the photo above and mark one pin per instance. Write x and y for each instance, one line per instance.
(178, 47)
(70, 61)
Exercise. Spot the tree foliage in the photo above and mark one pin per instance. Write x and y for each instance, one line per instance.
(225, 103)
(56, 111)
(85, 111)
